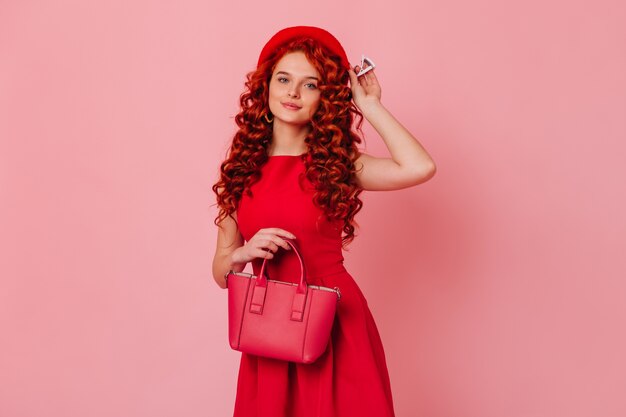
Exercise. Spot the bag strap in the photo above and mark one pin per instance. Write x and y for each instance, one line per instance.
(302, 286)
(299, 298)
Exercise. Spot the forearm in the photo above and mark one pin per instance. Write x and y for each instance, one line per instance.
(404, 148)
(223, 264)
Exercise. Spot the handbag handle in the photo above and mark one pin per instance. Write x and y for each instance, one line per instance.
(302, 286)
(299, 298)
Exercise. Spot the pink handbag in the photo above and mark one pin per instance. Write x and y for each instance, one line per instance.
(280, 320)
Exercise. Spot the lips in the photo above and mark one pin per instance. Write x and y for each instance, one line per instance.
(291, 106)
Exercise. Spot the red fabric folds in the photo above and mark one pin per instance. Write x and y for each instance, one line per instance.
(351, 377)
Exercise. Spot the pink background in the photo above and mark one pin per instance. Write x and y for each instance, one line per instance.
(498, 286)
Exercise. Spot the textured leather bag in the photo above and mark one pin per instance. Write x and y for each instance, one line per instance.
(277, 319)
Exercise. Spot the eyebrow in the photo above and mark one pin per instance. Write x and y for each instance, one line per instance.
(286, 73)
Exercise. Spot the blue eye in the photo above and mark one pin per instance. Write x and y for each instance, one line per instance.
(313, 86)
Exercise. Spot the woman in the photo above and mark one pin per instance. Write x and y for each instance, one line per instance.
(294, 172)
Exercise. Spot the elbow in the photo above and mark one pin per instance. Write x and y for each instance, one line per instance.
(432, 170)
(424, 173)
(219, 277)
(221, 282)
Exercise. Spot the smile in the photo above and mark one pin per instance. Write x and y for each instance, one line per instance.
(290, 106)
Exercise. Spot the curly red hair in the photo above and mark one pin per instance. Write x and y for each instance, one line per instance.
(332, 151)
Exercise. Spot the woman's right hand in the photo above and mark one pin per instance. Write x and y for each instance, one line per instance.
(263, 245)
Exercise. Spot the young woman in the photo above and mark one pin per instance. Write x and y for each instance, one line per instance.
(294, 172)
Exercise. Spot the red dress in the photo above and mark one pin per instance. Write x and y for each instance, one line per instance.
(350, 379)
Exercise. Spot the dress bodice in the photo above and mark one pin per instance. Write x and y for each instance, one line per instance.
(283, 197)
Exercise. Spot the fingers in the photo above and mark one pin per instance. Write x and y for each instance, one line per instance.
(352, 73)
(265, 249)
(268, 240)
(278, 231)
(270, 246)
(368, 78)
(365, 80)
(266, 254)
(372, 77)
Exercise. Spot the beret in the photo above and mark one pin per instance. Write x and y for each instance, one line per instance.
(324, 37)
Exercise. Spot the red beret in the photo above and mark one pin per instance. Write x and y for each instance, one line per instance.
(319, 34)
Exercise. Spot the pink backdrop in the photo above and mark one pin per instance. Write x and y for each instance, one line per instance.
(498, 286)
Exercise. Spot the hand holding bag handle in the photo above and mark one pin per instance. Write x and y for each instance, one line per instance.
(299, 299)
(279, 319)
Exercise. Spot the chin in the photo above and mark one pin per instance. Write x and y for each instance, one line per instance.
(297, 122)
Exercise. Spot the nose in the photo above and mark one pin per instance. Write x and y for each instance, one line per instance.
(293, 91)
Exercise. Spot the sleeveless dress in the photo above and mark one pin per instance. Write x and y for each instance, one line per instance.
(351, 377)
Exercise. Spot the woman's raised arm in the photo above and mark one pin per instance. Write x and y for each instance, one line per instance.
(409, 164)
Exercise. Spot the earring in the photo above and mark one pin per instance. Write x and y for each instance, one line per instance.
(268, 120)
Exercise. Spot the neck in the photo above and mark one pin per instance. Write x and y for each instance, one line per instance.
(288, 139)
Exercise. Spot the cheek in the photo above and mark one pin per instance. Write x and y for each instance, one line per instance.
(315, 104)
(273, 97)
(276, 89)
(272, 90)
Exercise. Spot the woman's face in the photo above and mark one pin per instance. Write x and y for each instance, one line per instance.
(294, 81)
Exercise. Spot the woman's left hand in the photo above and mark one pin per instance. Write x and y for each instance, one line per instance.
(365, 89)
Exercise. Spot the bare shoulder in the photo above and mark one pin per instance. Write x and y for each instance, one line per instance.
(384, 174)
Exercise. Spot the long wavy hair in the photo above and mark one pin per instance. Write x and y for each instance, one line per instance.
(331, 143)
